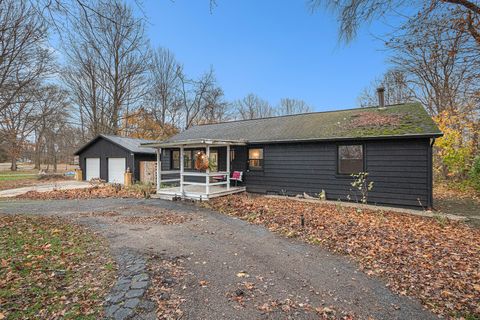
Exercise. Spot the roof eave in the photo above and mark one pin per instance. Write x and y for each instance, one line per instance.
(404, 136)
(194, 142)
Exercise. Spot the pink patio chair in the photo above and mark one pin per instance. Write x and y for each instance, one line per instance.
(237, 176)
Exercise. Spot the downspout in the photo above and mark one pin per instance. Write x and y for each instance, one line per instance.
(430, 172)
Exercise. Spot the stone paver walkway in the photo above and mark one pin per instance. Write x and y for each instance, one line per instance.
(126, 299)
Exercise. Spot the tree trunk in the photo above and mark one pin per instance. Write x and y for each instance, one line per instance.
(13, 166)
(55, 162)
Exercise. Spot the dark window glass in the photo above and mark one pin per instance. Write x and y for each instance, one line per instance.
(187, 159)
(255, 159)
(350, 159)
(175, 164)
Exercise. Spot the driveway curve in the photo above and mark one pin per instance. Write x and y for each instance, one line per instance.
(237, 270)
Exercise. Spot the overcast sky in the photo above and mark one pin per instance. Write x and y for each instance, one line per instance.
(273, 48)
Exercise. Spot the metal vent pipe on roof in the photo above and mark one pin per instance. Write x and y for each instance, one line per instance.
(381, 97)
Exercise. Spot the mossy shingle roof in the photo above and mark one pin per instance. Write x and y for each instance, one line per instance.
(392, 121)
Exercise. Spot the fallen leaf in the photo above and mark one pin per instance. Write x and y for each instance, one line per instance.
(242, 274)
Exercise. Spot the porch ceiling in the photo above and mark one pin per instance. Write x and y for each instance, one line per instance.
(194, 143)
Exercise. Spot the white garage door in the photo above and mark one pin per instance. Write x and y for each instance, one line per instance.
(93, 168)
(116, 170)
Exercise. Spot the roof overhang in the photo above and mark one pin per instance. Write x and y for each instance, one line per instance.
(194, 143)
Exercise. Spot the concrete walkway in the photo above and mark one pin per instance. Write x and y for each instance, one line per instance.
(45, 187)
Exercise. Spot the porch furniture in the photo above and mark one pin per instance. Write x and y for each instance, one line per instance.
(193, 189)
(237, 176)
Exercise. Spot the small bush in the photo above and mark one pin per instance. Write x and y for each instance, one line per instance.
(475, 173)
(145, 188)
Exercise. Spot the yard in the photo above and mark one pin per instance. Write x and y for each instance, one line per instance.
(27, 176)
(433, 260)
(458, 201)
(51, 269)
(230, 267)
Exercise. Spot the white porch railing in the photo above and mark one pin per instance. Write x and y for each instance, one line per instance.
(225, 175)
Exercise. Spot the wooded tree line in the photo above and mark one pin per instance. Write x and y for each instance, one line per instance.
(109, 80)
(435, 59)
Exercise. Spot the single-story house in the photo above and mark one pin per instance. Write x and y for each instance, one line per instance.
(313, 153)
(107, 157)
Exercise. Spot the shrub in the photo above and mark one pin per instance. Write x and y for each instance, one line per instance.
(475, 173)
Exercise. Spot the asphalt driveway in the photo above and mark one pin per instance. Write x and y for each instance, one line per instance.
(224, 253)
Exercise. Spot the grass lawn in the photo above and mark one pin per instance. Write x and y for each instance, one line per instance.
(51, 269)
(433, 260)
(18, 179)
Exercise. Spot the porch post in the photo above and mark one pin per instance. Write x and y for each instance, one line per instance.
(228, 167)
(207, 178)
(159, 169)
(181, 170)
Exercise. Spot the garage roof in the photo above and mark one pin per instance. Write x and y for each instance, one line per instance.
(130, 144)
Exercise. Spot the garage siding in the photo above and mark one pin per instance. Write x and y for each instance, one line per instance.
(104, 149)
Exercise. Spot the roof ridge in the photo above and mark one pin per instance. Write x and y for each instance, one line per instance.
(305, 114)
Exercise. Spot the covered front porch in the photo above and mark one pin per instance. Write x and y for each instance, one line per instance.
(191, 184)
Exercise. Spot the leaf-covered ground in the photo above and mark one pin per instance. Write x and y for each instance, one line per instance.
(434, 260)
(51, 269)
(107, 191)
(453, 199)
(166, 276)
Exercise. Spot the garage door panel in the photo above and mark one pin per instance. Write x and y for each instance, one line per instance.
(116, 170)
(92, 168)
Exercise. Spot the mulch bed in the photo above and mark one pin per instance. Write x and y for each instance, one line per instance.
(434, 260)
(52, 269)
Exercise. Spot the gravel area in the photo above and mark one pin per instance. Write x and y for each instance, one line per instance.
(235, 270)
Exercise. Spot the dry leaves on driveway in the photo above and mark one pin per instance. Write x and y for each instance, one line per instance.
(161, 218)
(94, 192)
(166, 276)
(51, 269)
(436, 261)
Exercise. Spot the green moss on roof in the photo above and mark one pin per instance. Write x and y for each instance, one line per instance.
(398, 120)
(407, 119)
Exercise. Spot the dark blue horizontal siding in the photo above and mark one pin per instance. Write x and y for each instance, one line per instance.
(399, 169)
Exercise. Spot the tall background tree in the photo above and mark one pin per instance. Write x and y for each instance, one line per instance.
(435, 54)
(106, 70)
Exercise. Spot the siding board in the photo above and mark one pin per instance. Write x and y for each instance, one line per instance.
(399, 169)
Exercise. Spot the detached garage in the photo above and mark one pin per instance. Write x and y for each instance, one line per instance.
(107, 157)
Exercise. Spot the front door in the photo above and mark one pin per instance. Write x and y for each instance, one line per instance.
(213, 161)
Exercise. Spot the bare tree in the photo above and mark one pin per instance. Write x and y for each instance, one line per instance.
(194, 95)
(53, 111)
(436, 65)
(24, 56)
(396, 87)
(253, 107)
(17, 121)
(107, 66)
(216, 108)
(465, 14)
(289, 106)
(163, 95)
